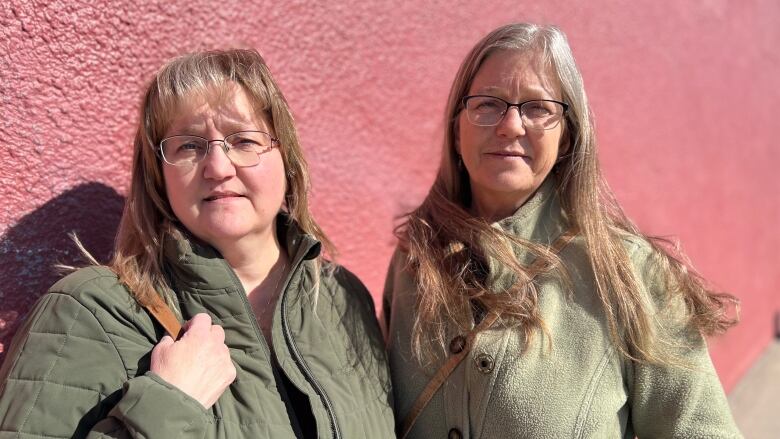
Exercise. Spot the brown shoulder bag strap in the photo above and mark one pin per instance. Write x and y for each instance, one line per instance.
(162, 312)
(441, 376)
(449, 366)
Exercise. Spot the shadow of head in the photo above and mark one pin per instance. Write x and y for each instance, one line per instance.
(31, 248)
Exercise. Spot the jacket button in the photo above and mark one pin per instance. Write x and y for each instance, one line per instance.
(457, 344)
(454, 434)
(484, 363)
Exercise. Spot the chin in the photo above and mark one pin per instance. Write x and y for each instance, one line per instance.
(221, 230)
(509, 183)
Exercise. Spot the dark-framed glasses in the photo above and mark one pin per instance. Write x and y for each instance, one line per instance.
(242, 148)
(538, 114)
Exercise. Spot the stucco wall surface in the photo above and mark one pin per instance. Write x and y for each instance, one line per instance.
(684, 95)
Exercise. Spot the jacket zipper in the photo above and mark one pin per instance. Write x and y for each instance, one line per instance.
(302, 364)
(290, 343)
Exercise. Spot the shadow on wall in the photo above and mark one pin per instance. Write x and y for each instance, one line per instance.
(30, 249)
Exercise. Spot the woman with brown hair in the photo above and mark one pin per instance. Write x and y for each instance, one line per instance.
(521, 301)
(279, 342)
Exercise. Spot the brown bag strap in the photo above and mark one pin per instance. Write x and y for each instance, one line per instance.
(162, 312)
(441, 376)
(452, 363)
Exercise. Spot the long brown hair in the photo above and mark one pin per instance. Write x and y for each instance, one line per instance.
(147, 216)
(446, 247)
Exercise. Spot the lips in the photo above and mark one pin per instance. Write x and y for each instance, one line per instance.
(508, 154)
(214, 196)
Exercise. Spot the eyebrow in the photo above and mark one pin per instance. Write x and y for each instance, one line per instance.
(500, 91)
(230, 124)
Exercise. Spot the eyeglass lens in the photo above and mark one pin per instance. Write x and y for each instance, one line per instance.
(537, 114)
(242, 148)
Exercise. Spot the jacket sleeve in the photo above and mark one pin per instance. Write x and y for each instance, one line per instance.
(387, 294)
(64, 377)
(684, 399)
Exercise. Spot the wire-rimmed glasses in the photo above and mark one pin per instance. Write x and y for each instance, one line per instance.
(537, 114)
(242, 148)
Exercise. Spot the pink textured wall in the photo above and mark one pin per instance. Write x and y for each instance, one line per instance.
(684, 96)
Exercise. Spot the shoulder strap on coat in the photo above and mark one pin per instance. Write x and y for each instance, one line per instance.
(162, 312)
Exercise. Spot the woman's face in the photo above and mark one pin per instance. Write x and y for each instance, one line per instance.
(506, 163)
(215, 200)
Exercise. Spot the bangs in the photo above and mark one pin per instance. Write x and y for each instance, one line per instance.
(199, 78)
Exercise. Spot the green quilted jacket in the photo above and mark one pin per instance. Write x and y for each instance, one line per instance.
(581, 387)
(79, 367)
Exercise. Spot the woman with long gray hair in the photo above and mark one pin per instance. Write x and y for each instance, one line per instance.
(521, 302)
(279, 342)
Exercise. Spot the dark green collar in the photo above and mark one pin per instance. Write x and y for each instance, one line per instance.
(197, 264)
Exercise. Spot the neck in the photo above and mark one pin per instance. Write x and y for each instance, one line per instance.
(255, 258)
(496, 206)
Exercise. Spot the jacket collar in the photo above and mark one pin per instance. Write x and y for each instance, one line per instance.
(196, 264)
(541, 219)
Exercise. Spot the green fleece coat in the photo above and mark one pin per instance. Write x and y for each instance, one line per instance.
(582, 387)
(80, 365)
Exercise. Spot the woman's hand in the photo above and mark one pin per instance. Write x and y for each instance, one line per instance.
(198, 363)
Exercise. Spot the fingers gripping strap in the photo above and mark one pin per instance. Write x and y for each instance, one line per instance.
(452, 363)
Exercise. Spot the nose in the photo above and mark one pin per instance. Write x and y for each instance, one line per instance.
(216, 164)
(511, 125)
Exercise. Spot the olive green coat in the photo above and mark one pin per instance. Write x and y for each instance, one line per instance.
(80, 365)
(582, 387)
